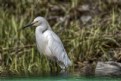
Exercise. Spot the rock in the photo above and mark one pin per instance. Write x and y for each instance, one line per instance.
(86, 19)
(84, 7)
(108, 68)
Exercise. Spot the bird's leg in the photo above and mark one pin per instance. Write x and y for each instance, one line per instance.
(63, 70)
(56, 64)
(50, 65)
(53, 66)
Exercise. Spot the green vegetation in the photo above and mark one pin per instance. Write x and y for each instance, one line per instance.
(98, 40)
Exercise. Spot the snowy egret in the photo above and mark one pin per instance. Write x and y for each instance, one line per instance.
(48, 43)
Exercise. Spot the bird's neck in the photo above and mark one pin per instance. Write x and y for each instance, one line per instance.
(43, 28)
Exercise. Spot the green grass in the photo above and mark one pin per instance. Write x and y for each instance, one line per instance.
(18, 48)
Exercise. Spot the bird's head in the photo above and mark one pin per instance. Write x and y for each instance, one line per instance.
(38, 21)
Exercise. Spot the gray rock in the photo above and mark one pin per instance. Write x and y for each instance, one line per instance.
(108, 68)
(85, 18)
(84, 7)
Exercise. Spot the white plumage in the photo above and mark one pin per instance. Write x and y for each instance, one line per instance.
(49, 44)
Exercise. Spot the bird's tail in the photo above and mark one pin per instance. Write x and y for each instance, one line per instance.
(65, 62)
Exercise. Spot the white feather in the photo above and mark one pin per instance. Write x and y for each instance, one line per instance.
(49, 44)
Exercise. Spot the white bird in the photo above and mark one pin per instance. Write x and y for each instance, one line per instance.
(48, 43)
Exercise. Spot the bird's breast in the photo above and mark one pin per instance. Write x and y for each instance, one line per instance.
(40, 41)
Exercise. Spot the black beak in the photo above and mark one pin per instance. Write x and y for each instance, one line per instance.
(29, 25)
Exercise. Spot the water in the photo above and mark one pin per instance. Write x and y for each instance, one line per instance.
(61, 78)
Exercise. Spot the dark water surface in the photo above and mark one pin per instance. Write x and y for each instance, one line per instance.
(61, 78)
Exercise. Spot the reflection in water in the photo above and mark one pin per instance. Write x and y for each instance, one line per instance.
(59, 76)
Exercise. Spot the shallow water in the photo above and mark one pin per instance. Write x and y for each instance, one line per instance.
(61, 78)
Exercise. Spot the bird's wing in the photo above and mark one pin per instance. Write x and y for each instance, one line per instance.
(57, 49)
(55, 44)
